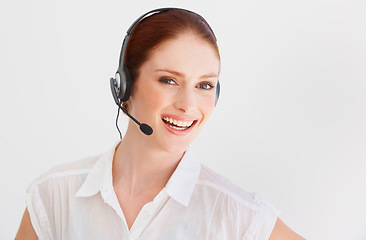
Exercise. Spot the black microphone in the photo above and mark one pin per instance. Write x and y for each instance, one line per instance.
(143, 126)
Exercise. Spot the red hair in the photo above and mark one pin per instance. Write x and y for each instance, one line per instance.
(152, 31)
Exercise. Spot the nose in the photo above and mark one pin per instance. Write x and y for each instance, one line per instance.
(185, 100)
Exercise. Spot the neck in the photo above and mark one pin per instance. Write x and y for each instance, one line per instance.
(138, 164)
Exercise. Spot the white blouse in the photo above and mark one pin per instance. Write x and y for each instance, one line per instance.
(77, 201)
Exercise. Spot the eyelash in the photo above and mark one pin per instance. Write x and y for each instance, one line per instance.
(210, 86)
(168, 81)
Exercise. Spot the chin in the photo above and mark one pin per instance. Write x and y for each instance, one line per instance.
(176, 147)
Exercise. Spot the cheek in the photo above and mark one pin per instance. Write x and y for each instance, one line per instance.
(150, 99)
(155, 100)
(207, 106)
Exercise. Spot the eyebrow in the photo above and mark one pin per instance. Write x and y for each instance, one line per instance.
(210, 75)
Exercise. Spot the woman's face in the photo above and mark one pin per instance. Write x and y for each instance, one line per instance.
(175, 91)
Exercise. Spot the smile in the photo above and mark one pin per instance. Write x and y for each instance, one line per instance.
(178, 124)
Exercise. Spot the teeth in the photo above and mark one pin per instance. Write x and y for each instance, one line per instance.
(178, 124)
(177, 128)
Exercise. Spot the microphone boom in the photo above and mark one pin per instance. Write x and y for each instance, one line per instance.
(146, 129)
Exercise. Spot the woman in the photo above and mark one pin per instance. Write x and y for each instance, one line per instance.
(153, 187)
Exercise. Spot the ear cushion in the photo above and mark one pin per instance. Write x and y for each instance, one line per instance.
(217, 92)
(125, 89)
(114, 86)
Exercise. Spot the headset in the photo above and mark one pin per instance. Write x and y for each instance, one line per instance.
(121, 83)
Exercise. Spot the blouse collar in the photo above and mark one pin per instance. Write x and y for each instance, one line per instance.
(179, 187)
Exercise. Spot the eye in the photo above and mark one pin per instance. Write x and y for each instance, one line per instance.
(167, 80)
(206, 86)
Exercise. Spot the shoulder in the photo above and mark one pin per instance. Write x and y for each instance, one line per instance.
(54, 191)
(63, 173)
(80, 166)
(221, 185)
(249, 210)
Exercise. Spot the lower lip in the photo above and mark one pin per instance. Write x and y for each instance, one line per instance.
(179, 132)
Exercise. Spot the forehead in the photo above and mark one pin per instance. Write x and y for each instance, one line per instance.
(187, 53)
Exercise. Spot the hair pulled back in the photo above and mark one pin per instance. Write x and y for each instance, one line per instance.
(154, 30)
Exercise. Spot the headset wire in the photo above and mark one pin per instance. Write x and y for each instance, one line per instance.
(119, 109)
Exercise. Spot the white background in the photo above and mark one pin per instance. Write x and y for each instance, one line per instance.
(290, 123)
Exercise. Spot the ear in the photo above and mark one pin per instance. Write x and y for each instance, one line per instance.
(125, 105)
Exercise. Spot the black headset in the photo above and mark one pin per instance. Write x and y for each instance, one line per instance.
(121, 83)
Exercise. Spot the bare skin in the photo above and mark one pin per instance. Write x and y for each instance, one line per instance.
(138, 184)
(282, 232)
(26, 230)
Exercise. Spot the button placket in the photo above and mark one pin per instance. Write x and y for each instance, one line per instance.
(146, 214)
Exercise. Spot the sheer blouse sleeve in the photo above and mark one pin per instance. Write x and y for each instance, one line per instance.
(37, 212)
(263, 222)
